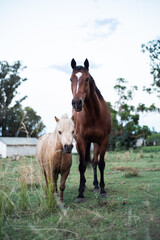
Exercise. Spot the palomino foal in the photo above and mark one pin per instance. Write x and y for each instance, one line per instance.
(54, 153)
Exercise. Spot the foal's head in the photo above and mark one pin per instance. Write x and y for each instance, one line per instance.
(80, 80)
(65, 132)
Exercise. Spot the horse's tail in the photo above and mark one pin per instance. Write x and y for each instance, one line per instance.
(88, 156)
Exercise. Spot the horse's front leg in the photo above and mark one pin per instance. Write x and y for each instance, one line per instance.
(81, 148)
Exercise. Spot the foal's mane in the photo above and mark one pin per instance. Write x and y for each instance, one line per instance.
(93, 84)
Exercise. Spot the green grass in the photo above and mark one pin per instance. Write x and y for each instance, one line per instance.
(151, 149)
(131, 210)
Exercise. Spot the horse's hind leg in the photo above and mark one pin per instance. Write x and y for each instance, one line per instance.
(94, 164)
(101, 166)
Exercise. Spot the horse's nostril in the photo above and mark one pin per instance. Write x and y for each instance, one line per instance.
(77, 105)
(68, 148)
(65, 147)
(79, 102)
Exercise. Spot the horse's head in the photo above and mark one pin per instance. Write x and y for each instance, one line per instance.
(65, 132)
(80, 79)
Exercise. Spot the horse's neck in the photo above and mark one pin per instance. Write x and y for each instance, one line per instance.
(92, 104)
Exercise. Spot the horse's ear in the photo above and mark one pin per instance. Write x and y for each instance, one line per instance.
(86, 64)
(73, 63)
(57, 119)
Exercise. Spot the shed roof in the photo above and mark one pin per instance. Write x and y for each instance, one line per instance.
(18, 141)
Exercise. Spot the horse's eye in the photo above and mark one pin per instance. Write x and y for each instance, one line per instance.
(73, 132)
(87, 79)
(60, 132)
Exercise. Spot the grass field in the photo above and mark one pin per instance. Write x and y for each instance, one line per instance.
(131, 210)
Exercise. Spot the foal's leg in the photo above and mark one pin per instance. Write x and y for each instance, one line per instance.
(94, 164)
(64, 176)
(45, 177)
(55, 179)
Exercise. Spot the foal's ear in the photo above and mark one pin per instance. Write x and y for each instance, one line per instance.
(57, 119)
(86, 64)
(73, 63)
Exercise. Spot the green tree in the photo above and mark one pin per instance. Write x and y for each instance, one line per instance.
(127, 128)
(12, 116)
(153, 139)
(153, 49)
(115, 127)
(10, 80)
(31, 124)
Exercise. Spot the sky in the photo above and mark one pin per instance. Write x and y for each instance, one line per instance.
(46, 34)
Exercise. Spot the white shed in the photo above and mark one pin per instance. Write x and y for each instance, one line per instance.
(140, 142)
(11, 146)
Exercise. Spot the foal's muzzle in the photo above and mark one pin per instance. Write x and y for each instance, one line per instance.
(68, 148)
(77, 105)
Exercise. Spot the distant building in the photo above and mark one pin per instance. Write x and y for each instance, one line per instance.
(140, 142)
(17, 146)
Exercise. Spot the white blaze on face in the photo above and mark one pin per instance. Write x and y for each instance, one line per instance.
(79, 74)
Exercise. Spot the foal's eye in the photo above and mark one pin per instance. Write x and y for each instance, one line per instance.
(60, 132)
(73, 132)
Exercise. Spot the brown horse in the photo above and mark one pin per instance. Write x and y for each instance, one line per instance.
(92, 124)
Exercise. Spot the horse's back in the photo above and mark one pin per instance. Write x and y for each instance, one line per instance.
(45, 147)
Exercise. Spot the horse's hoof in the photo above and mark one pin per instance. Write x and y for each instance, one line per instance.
(103, 195)
(61, 205)
(80, 200)
(96, 190)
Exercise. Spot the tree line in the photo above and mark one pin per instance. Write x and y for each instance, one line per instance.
(125, 118)
(24, 122)
(16, 121)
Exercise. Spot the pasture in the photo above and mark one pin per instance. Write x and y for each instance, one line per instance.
(131, 210)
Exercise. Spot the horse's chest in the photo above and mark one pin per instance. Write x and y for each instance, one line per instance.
(93, 134)
(91, 128)
(62, 162)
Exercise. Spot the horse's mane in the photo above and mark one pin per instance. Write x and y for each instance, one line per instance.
(96, 89)
(93, 84)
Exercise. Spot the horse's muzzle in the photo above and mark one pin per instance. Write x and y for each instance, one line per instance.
(68, 148)
(77, 105)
